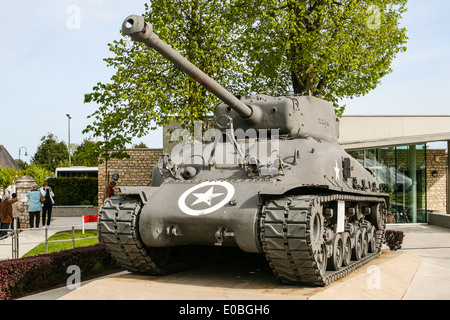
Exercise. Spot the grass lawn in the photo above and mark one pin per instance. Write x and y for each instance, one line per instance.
(64, 245)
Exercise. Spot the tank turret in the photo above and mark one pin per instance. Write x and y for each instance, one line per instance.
(314, 211)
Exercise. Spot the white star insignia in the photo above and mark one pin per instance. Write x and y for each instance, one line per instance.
(337, 170)
(206, 197)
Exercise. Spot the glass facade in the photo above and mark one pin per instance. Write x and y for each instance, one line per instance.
(401, 172)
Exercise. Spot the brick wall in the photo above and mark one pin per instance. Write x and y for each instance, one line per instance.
(437, 186)
(135, 171)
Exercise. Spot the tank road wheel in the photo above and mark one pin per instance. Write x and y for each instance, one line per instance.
(357, 248)
(321, 258)
(365, 242)
(372, 239)
(336, 259)
(377, 216)
(347, 249)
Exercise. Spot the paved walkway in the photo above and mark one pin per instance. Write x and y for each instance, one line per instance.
(424, 256)
(432, 245)
(30, 238)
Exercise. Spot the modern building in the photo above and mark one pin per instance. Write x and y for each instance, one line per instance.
(409, 156)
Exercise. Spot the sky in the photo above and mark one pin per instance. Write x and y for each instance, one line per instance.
(52, 51)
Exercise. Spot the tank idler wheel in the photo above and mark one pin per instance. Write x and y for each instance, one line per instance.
(372, 239)
(357, 248)
(336, 259)
(347, 249)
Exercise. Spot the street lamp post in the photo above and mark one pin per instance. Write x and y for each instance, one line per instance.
(26, 152)
(68, 119)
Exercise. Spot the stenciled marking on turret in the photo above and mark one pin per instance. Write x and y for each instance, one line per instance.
(324, 122)
(206, 197)
(337, 171)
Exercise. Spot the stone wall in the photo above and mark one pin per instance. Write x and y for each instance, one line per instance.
(439, 219)
(437, 185)
(133, 172)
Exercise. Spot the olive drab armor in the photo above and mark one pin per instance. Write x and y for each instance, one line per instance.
(274, 180)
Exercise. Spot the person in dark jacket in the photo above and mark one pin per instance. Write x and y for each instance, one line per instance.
(111, 189)
(5, 216)
(47, 193)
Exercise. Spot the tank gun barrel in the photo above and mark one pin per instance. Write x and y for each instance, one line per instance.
(139, 30)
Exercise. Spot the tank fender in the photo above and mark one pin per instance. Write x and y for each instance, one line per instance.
(283, 191)
(144, 193)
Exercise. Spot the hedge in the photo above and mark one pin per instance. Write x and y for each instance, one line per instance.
(394, 239)
(74, 191)
(19, 277)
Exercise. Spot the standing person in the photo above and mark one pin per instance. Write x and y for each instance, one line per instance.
(111, 189)
(34, 206)
(48, 194)
(17, 210)
(5, 216)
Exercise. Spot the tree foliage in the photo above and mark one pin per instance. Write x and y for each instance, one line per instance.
(86, 154)
(51, 153)
(327, 48)
(9, 176)
(140, 145)
(148, 91)
(38, 173)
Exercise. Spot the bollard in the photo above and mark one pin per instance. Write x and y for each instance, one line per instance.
(46, 240)
(15, 240)
(73, 237)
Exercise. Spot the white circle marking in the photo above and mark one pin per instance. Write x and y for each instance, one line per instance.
(192, 212)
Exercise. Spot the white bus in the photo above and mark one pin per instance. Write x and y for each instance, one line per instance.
(77, 171)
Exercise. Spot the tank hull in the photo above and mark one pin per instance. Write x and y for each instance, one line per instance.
(211, 211)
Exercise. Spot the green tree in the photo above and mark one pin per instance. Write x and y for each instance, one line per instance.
(22, 164)
(51, 154)
(86, 154)
(38, 172)
(329, 49)
(6, 177)
(140, 145)
(147, 91)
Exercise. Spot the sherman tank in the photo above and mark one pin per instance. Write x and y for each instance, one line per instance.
(273, 181)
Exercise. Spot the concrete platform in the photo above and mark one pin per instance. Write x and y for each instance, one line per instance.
(388, 277)
(419, 271)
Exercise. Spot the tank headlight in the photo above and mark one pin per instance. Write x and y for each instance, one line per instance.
(189, 172)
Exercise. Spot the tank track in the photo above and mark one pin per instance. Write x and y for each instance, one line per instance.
(291, 238)
(117, 227)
